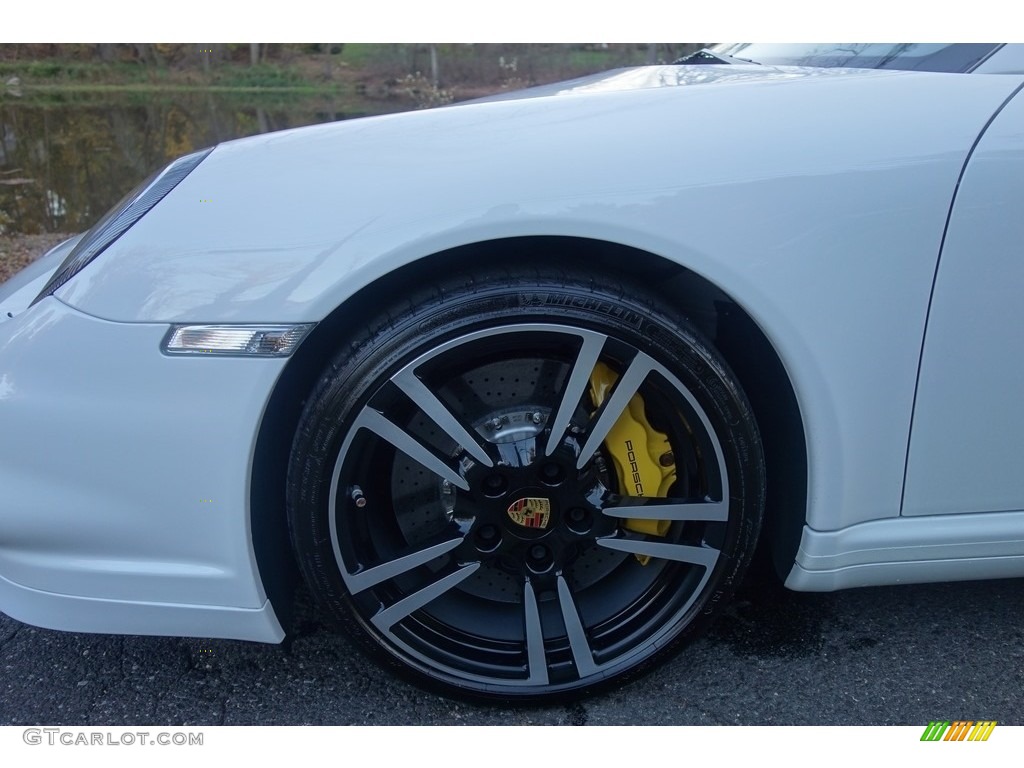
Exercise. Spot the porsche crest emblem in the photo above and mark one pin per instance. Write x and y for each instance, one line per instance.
(530, 512)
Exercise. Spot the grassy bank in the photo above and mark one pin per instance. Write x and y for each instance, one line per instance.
(453, 71)
(69, 76)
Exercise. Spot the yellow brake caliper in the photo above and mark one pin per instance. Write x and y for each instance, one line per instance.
(641, 454)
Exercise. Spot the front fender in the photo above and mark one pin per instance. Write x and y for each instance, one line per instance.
(817, 204)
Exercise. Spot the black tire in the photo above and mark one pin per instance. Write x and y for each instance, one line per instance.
(531, 578)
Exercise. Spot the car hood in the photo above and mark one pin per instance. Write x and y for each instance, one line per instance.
(668, 76)
(618, 91)
(286, 226)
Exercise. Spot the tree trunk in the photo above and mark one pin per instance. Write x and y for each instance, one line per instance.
(433, 65)
(328, 62)
(254, 53)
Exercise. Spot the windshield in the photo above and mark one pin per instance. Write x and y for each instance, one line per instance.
(926, 57)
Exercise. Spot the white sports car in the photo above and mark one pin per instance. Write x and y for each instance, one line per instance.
(520, 384)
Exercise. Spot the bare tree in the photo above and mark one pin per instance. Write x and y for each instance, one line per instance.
(433, 64)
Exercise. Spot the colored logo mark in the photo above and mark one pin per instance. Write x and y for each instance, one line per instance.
(530, 512)
(959, 730)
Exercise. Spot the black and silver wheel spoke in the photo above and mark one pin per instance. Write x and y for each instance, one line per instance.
(575, 386)
(377, 423)
(536, 656)
(682, 553)
(393, 614)
(579, 646)
(371, 577)
(407, 381)
(627, 386)
(643, 508)
(582, 656)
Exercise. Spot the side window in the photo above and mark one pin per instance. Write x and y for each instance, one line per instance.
(1009, 59)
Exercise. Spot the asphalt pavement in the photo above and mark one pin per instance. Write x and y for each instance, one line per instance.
(893, 655)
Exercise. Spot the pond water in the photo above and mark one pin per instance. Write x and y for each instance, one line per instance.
(66, 159)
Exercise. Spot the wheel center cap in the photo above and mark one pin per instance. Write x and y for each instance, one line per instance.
(530, 512)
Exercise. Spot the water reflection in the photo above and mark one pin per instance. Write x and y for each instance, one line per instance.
(64, 162)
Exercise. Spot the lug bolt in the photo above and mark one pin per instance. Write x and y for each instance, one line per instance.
(551, 473)
(494, 485)
(536, 417)
(539, 558)
(488, 538)
(578, 520)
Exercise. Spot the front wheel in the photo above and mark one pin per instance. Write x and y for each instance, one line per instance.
(525, 484)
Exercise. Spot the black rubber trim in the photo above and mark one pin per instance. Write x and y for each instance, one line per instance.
(121, 218)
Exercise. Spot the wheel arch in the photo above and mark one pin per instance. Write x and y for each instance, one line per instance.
(735, 334)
